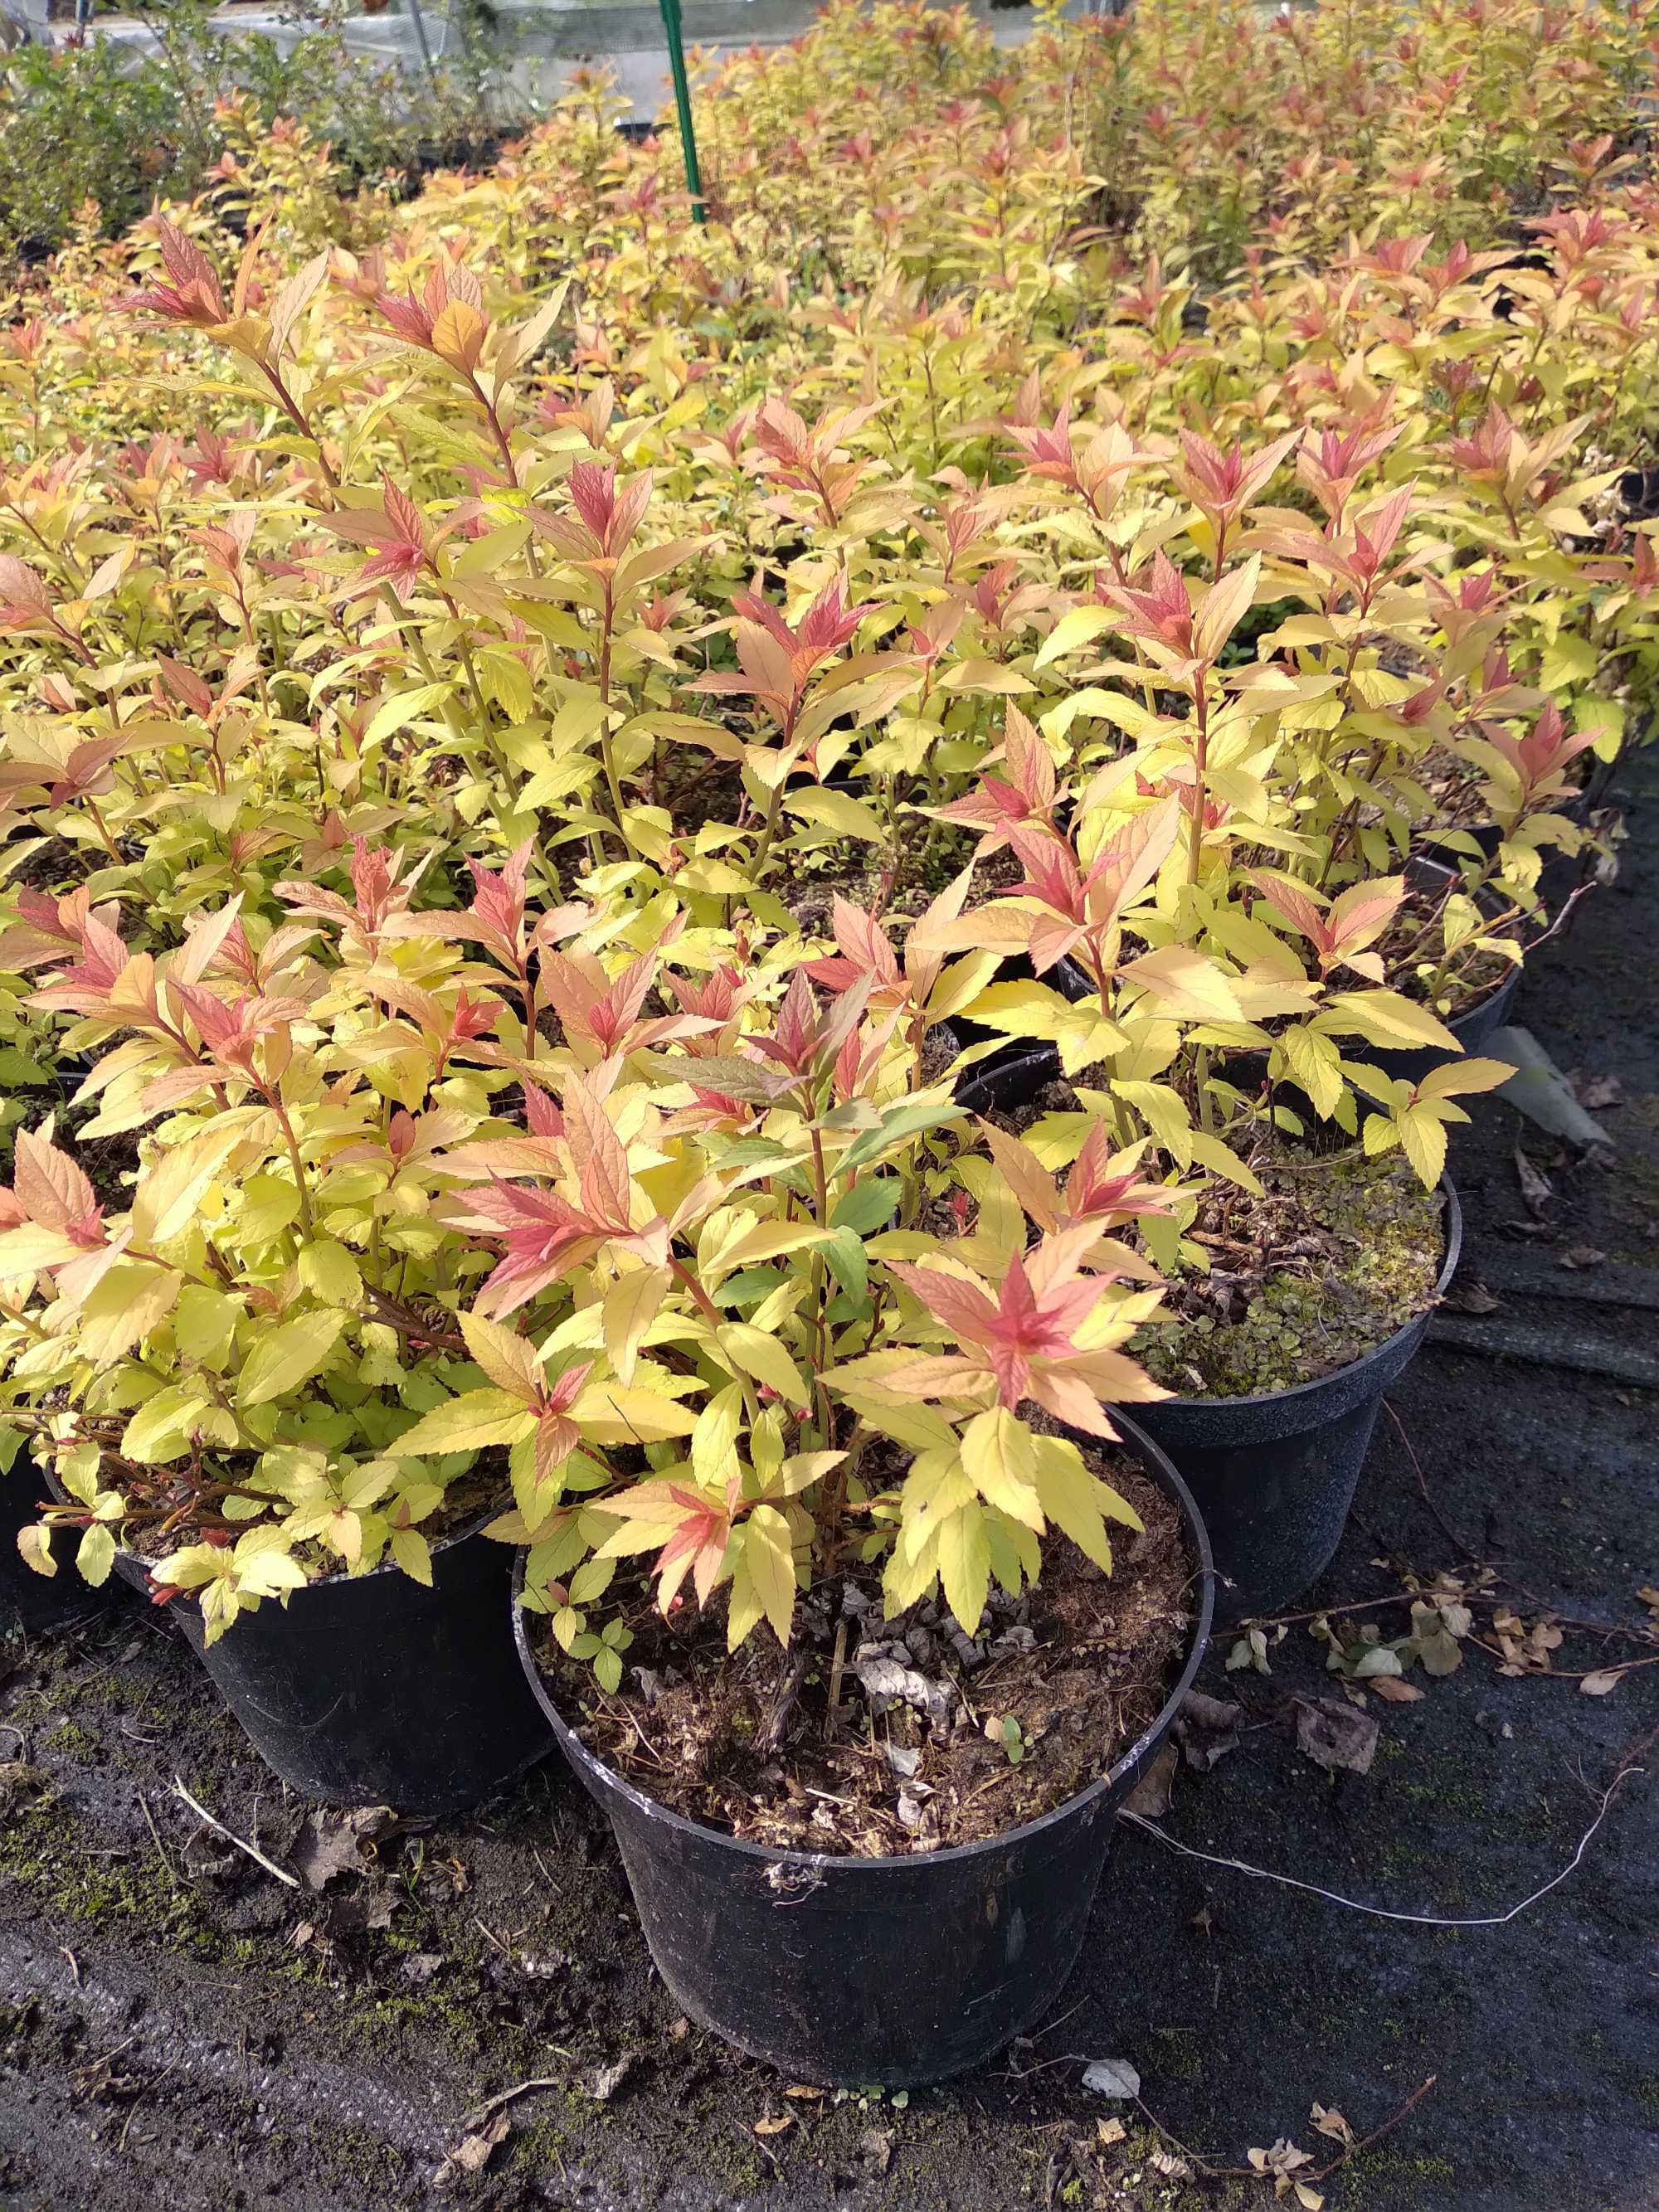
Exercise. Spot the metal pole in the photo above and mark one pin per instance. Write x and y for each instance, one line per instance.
(671, 22)
(422, 41)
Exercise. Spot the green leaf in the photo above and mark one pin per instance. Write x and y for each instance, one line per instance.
(868, 1206)
(470, 1423)
(893, 1128)
(289, 1356)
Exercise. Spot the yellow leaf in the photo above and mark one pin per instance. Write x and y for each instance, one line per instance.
(630, 1307)
(764, 1358)
(769, 1558)
(999, 1454)
(508, 1359)
(964, 1564)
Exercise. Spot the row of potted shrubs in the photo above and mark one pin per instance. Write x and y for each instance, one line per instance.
(753, 1078)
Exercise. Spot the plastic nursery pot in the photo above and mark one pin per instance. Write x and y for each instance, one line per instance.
(1275, 1475)
(1473, 1027)
(375, 1690)
(41, 1601)
(878, 1971)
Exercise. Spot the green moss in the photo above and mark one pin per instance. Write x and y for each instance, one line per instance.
(1374, 1246)
(41, 1848)
(538, 2146)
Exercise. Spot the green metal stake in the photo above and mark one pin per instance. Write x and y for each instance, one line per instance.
(671, 21)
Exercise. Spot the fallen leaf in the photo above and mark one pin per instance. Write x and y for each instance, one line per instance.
(1536, 1189)
(1599, 1091)
(1577, 1257)
(206, 1856)
(1206, 1728)
(331, 1844)
(1173, 2168)
(1308, 2199)
(603, 2084)
(472, 2153)
(1470, 1297)
(876, 2149)
(775, 2124)
(1151, 1796)
(1335, 1737)
(1396, 1692)
(806, 2089)
(1109, 2131)
(370, 1905)
(420, 1967)
(1250, 1650)
(1112, 2077)
(1599, 1684)
(1330, 2122)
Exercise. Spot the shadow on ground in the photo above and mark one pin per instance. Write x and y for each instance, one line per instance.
(174, 2020)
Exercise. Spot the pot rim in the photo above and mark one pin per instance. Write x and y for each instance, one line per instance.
(1452, 1220)
(1155, 1462)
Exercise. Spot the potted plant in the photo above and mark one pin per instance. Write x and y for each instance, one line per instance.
(1232, 1011)
(876, 1675)
(215, 1375)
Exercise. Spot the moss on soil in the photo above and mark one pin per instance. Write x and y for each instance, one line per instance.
(1354, 1253)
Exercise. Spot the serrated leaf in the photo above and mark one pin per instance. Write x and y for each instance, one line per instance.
(475, 1421)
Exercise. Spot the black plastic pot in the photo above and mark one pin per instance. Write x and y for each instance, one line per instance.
(40, 1601)
(1275, 1475)
(377, 1691)
(881, 1972)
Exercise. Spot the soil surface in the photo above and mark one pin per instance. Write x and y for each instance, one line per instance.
(940, 1737)
(1338, 1253)
(179, 2026)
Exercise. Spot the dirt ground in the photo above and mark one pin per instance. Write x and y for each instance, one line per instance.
(176, 2023)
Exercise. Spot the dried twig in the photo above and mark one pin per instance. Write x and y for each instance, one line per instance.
(230, 1837)
(1210, 2173)
(1464, 1550)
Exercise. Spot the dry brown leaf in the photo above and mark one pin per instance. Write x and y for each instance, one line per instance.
(603, 2084)
(1605, 1678)
(1335, 1737)
(804, 2089)
(1151, 1796)
(1536, 1187)
(1330, 2122)
(472, 2153)
(1599, 1091)
(1577, 1257)
(1109, 2131)
(1394, 1690)
(331, 1844)
(775, 2124)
